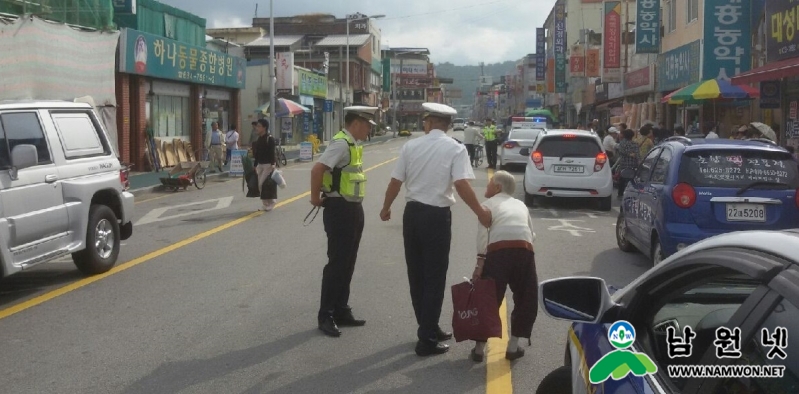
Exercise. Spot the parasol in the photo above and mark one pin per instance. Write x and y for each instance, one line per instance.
(285, 107)
(765, 130)
(711, 89)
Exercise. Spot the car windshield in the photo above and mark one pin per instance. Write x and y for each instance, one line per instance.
(459, 121)
(739, 168)
(523, 134)
(562, 146)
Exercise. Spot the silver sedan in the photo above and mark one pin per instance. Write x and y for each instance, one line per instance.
(517, 140)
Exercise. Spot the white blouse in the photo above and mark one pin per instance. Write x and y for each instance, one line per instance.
(510, 221)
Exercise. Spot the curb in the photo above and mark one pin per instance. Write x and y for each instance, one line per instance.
(149, 189)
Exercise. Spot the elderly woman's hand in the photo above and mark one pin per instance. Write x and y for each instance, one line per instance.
(478, 270)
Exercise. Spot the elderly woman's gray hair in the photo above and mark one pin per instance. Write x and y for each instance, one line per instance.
(506, 181)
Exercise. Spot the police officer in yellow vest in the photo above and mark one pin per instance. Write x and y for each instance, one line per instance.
(492, 141)
(338, 185)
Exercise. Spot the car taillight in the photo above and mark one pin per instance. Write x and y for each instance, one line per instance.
(684, 195)
(124, 173)
(601, 159)
(538, 160)
(569, 136)
(796, 198)
(510, 145)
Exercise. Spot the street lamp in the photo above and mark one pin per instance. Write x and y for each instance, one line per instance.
(348, 48)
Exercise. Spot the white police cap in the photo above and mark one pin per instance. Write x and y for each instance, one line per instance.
(439, 110)
(363, 111)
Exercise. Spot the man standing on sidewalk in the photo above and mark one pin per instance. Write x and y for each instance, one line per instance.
(430, 166)
(214, 142)
(338, 185)
(490, 134)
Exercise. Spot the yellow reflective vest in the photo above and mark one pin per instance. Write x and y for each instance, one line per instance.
(348, 181)
(490, 132)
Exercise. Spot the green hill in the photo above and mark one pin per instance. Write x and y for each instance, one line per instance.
(467, 77)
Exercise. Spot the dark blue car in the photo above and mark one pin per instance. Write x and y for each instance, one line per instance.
(687, 190)
(719, 317)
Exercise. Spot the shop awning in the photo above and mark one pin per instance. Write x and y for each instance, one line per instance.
(770, 72)
(608, 104)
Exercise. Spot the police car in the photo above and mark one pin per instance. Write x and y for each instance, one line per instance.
(713, 318)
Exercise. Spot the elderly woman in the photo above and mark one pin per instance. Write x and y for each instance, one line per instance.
(505, 254)
(627, 154)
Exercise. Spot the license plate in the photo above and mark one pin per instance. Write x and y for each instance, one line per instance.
(746, 213)
(569, 169)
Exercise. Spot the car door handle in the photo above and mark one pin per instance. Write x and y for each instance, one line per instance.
(51, 178)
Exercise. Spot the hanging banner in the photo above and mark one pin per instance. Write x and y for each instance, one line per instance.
(647, 26)
(592, 63)
(612, 42)
(284, 72)
(727, 42)
(577, 65)
(550, 75)
(560, 47)
(782, 40)
(540, 54)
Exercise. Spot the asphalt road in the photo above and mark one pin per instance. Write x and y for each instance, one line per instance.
(210, 296)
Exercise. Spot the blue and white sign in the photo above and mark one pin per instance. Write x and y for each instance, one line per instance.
(560, 47)
(621, 334)
(647, 26)
(728, 43)
(236, 163)
(306, 151)
(678, 67)
(328, 106)
(540, 54)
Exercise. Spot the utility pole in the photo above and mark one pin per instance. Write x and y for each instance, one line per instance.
(272, 69)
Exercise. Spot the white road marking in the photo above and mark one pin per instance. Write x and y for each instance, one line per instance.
(554, 212)
(155, 215)
(565, 225)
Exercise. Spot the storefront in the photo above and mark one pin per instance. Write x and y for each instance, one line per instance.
(639, 88)
(312, 89)
(679, 67)
(173, 90)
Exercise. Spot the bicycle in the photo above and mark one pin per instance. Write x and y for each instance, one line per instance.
(280, 152)
(478, 155)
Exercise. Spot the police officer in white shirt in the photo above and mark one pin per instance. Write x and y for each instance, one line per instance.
(429, 167)
(505, 254)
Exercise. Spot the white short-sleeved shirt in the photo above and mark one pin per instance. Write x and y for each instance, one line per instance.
(429, 166)
(337, 154)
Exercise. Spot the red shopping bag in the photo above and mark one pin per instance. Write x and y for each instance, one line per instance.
(475, 313)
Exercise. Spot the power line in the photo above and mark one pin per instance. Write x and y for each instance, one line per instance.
(443, 11)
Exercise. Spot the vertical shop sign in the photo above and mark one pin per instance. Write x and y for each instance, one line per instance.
(540, 54)
(727, 40)
(577, 65)
(592, 63)
(560, 47)
(612, 42)
(647, 26)
(550, 75)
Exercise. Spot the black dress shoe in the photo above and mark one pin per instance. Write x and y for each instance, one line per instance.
(329, 327)
(519, 353)
(478, 358)
(430, 348)
(442, 335)
(347, 320)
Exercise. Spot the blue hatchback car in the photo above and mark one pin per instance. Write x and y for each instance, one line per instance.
(687, 190)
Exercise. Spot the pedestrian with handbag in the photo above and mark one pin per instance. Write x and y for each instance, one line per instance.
(430, 166)
(505, 254)
(338, 185)
(265, 159)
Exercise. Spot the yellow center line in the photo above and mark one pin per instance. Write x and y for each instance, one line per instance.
(147, 257)
(498, 373)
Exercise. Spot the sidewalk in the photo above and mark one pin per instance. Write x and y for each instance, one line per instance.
(145, 182)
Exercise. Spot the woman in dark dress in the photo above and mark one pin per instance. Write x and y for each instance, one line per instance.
(265, 159)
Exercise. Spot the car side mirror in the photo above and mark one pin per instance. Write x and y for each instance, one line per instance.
(23, 156)
(577, 299)
(627, 173)
(524, 152)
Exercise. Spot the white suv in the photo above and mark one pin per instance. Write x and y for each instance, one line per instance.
(568, 163)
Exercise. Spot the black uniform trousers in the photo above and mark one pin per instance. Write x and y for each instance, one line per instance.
(491, 152)
(343, 222)
(427, 232)
(470, 150)
(515, 267)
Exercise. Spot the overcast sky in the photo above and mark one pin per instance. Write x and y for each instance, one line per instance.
(458, 31)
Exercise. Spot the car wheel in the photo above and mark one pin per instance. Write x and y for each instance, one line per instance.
(529, 200)
(102, 242)
(621, 235)
(606, 203)
(558, 381)
(657, 251)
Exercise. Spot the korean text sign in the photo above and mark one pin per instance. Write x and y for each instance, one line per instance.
(147, 54)
(647, 31)
(728, 41)
(678, 67)
(612, 36)
(312, 84)
(782, 29)
(540, 54)
(560, 47)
